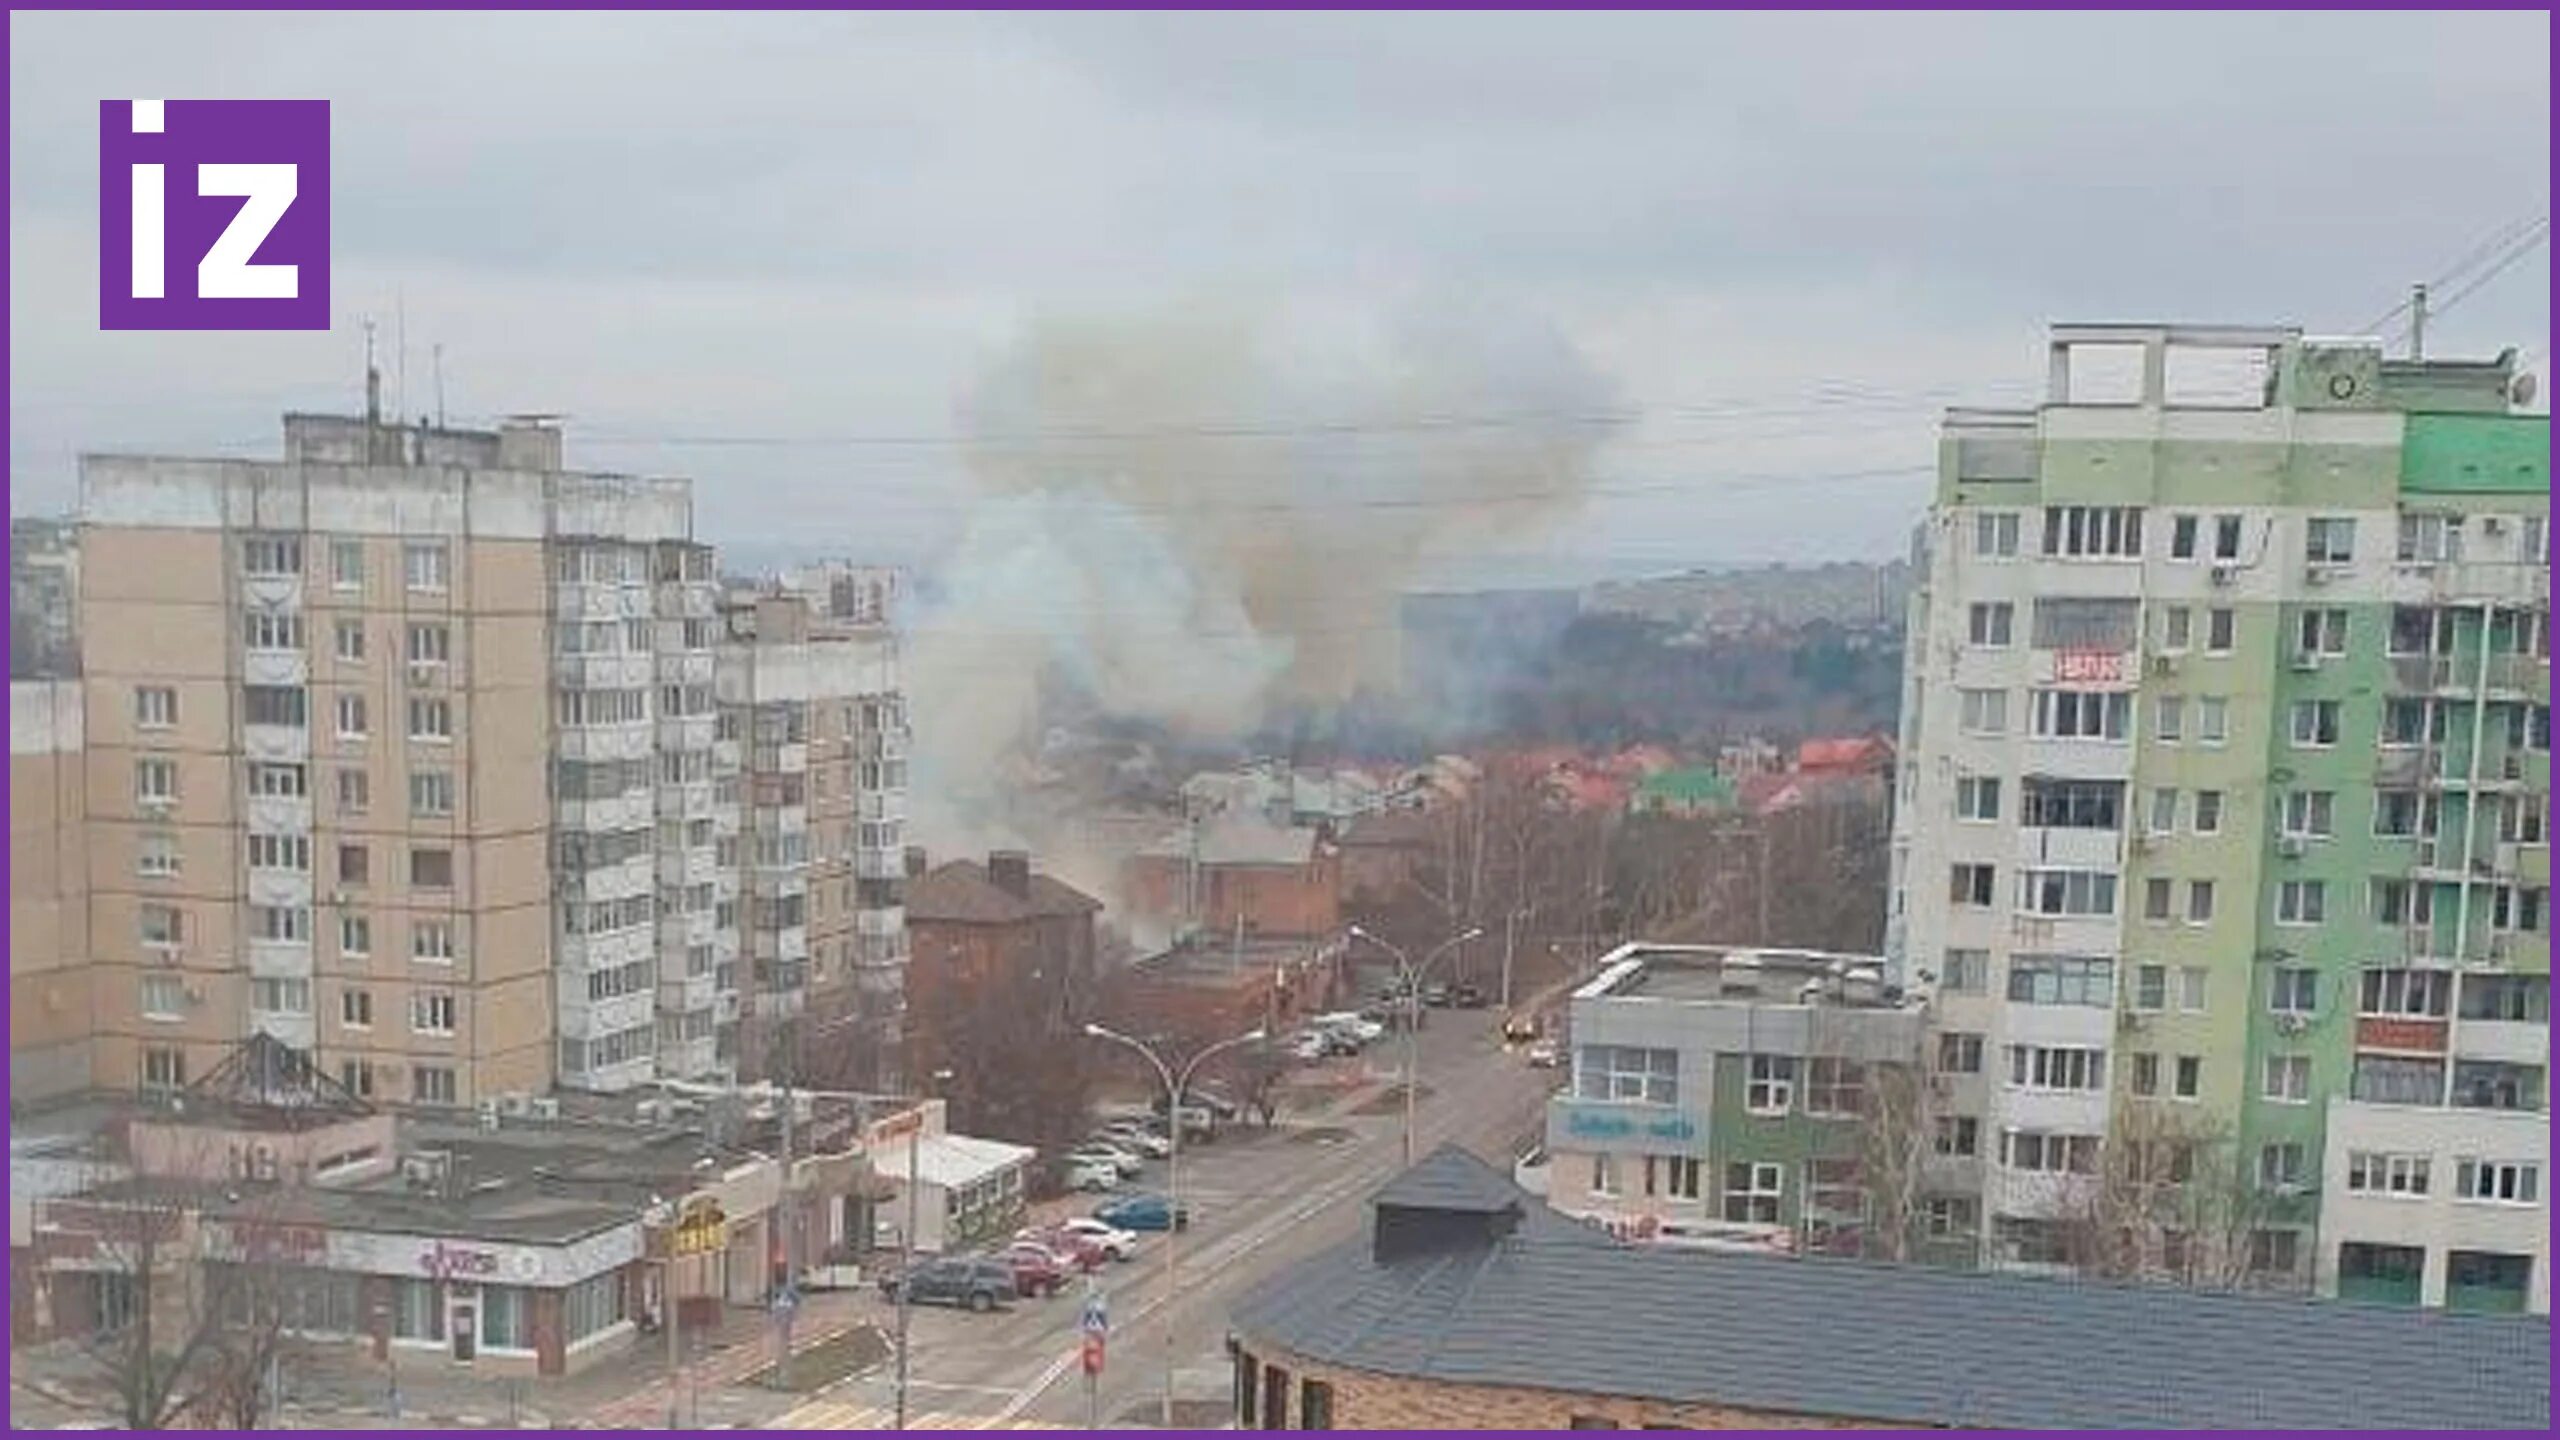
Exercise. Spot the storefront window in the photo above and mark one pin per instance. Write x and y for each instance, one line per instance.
(417, 1310)
(593, 1305)
(506, 1317)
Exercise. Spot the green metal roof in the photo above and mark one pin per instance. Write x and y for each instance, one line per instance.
(1692, 786)
(2477, 454)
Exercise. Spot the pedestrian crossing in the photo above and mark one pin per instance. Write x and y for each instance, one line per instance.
(844, 1415)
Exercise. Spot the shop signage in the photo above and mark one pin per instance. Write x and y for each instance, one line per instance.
(702, 1229)
(1620, 1125)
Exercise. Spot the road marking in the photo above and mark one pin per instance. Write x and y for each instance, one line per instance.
(834, 1415)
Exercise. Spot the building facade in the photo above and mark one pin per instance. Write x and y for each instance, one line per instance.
(51, 1007)
(2225, 813)
(811, 699)
(372, 746)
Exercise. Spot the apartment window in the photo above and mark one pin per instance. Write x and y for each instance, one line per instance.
(1628, 1072)
(2189, 1077)
(2093, 531)
(2157, 898)
(2293, 990)
(432, 1084)
(353, 721)
(2280, 1165)
(2192, 982)
(2183, 536)
(1978, 797)
(2405, 813)
(2302, 902)
(2534, 550)
(2515, 907)
(2199, 902)
(164, 997)
(2396, 1080)
(279, 852)
(2287, 1079)
(1957, 1136)
(2323, 632)
(1315, 1405)
(290, 923)
(2062, 980)
(1772, 1084)
(2080, 714)
(2315, 722)
(2329, 540)
(2226, 537)
(1753, 1192)
(431, 868)
(346, 564)
(1833, 1086)
(1970, 883)
(430, 644)
(278, 782)
(2310, 814)
(1959, 1053)
(2067, 892)
(422, 562)
(2048, 1153)
(349, 645)
(2169, 719)
(2371, 1172)
(431, 792)
(2213, 719)
(2047, 1067)
(1967, 972)
(2523, 820)
(1988, 623)
(271, 555)
(279, 996)
(2397, 992)
(431, 941)
(1951, 1217)
(271, 630)
(1995, 534)
(164, 1068)
(2071, 804)
(2164, 810)
(2221, 630)
(2208, 812)
(2429, 539)
(355, 935)
(2508, 1182)
(431, 1012)
(2524, 999)
(2151, 987)
(1604, 1174)
(155, 707)
(430, 717)
(2496, 1085)
(274, 705)
(355, 792)
(1983, 712)
(2177, 628)
(156, 853)
(2145, 1079)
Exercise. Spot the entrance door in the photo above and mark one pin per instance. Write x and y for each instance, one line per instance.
(465, 1330)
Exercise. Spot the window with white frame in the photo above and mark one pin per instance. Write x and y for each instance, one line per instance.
(432, 1084)
(2158, 893)
(1965, 972)
(2067, 892)
(164, 1068)
(430, 644)
(355, 935)
(2226, 537)
(286, 705)
(271, 630)
(430, 717)
(2208, 812)
(1834, 1086)
(1983, 712)
(2057, 1067)
(2151, 987)
(1754, 1192)
(155, 780)
(2287, 1079)
(278, 781)
(2302, 902)
(1988, 623)
(2213, 719)
(160, 927)
(155, 707)
(2182, 536)
(2088, 980)
(1995, 534)
(2169, 719)
(279, 852)
(2280, 1165)
(2199, 902)
(2293, 990)
(1627, 1072)
(355, 1009)
(431, 793)
(1978, 797)
(1959, 1052)
(422, 564)
(1604, 1173)
(2093, 531)
(2193, 982)
(156, 853)
(354, 722)
(431, 941)
(2221, 630)
(1772, 1084)
(164, 997)
(1956, 1136)
(1971, 883)
(431, 1012)
(2429, 538)
(274, 995)
(346, 564)
(2310, 814)
(355, 792)
(2321, 631)
(2329, 539)
(2376, 1172)
(281, 923)
(2315, 722)
(2164, 810)
(2080, 714)
(2050, 802)
(2049, 1152)
(272, 555)
(2403, 993)
(2508, 1182)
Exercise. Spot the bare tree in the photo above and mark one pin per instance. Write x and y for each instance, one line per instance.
(2172, 1200)
(1897, 1139)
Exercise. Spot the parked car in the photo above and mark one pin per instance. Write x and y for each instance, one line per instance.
(1089, 1172)
(1214, 1097)
(1519, 1027)
(1116, 1242)
(1037, 1269)
(1198, 1122)
(1359, 1027)
(1139, 1137)
(1310, 1045)
(971, 1281)
(1143, 1212)
(1470, 997)
(1436, 995)
(1078, 1249)
(1126, 1162)
(1545, 1054)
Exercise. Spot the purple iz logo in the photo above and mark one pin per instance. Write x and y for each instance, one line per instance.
(213, 215)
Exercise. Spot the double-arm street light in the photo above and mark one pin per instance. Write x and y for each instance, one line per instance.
(1409, 980)
(1175, 1081)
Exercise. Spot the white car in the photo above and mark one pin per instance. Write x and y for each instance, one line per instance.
(1091, 1173)
(1310, 1046)
(1105, 1152)
(1352, 1023)
(1130, 1135)
(1117, 1243)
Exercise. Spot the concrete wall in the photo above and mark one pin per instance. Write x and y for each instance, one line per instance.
(51, 1015)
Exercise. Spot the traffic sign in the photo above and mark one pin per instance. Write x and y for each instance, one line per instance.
(1097, 1316)
(1093, 1344)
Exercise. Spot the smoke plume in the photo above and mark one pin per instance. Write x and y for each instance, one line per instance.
(1194, 518)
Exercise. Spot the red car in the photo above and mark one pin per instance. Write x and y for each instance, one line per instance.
(1083, 1252)
(1037, 1270)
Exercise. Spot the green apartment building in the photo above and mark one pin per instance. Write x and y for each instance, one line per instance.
(2223, 820)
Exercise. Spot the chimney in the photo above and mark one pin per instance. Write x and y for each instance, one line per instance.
(915, 862)
(1011, 872)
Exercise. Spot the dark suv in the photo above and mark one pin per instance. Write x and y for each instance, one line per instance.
(968, 1280)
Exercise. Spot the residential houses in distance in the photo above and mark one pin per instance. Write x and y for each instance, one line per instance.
(2225, 816)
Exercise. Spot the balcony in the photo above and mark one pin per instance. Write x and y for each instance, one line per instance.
(585, 1019)
(275, 667)
(685, 667)
(606, 951)
(687, 600)
(2512, 1042)
(889, 921)
(2070, 846)
(692, 992)
(725, 753)
(685, 799)
(607, 1079)
(280, 959)
(2077, 759)
(281, 743)
(612, 670)
(879, 805)
(604, 814)
(687, 732)
(878, 864)
(784, 758)
(2405, 1034)
(686, 867)
(580, 601)
(280, 814)
(622, 740)
(299, 1031)
(280, 887)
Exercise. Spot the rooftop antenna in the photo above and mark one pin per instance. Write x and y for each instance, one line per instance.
(2418, 323)
(372, 379)
(439, 369)
(400, 343)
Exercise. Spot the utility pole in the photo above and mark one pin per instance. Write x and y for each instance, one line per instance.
(2418, 323)
(907, 1259)
(786, 1300)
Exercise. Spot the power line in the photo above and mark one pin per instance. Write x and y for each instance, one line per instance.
(2523, 246)
(2498, 239)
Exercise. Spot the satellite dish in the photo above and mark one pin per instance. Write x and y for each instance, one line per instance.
(2522, 389)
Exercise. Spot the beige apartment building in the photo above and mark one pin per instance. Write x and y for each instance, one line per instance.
(375, 739)
(49, 977)
(810, 691)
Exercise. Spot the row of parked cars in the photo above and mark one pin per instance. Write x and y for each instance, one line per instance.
(1040, 1260)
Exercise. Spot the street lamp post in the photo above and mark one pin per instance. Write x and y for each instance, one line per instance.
(907, 1246)
(1409, 979)
(1174, 1083)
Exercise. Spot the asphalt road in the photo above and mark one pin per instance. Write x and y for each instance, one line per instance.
(1259, 1200)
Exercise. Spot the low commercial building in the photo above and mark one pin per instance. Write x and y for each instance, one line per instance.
(1214, 987)
(2436, 1205)
(1469, 1305)
(969, 1189)
(1731, 1095)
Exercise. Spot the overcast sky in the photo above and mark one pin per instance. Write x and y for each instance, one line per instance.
(1787, 241)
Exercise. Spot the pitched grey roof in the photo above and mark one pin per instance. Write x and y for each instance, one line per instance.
(1449, 1178)
(1553, 1309)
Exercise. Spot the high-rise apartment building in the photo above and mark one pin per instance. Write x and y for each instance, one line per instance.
(51, 1024)
(811, 697)
(378, 737)
(2224, 817)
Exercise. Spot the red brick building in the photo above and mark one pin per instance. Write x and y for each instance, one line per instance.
(1240, 870)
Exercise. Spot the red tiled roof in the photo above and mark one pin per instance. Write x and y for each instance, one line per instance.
(959, 892)
(1844, 753)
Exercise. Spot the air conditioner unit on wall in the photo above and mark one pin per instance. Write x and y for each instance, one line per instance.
(2220, 574)
(2291, 847)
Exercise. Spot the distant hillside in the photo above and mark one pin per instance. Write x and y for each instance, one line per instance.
(1849, 593)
